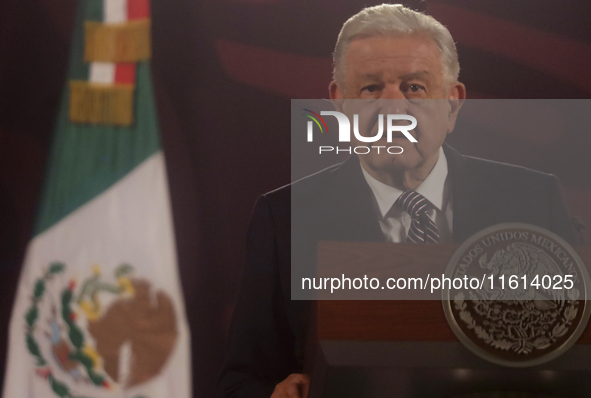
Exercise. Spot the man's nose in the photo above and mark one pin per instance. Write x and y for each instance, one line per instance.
(393, 102)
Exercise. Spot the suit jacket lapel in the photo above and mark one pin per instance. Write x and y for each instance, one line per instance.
(354, 204)
(471, 197)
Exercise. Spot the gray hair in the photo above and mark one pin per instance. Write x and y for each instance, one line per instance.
(396, 20)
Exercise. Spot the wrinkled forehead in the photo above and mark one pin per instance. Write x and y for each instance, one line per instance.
(374, 48)
(387, 51)
(381, 55)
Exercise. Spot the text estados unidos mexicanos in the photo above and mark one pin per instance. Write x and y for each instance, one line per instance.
(487, 283)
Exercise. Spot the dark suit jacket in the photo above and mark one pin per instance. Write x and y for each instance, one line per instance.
(267, 336)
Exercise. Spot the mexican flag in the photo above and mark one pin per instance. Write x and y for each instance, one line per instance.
(99, 310)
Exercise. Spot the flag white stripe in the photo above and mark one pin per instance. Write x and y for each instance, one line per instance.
(102, 72)
(130, 223)
(115, 11)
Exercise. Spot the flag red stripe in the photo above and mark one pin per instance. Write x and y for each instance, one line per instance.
(125, 73)
(138, 9)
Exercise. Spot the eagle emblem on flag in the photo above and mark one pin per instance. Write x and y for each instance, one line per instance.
(107, 332)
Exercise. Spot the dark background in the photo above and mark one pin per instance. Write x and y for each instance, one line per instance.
(224, 72)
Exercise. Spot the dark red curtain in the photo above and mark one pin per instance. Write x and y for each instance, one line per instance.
(225, 72)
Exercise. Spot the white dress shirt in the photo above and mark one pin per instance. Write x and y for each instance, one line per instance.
(395, 222)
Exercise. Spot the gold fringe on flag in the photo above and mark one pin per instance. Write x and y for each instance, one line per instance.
(124, 42)
(101, 103)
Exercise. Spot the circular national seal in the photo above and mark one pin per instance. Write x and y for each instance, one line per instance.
(517, 295)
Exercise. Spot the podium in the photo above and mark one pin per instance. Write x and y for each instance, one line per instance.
(387, 348)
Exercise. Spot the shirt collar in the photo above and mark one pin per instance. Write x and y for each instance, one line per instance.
(432, 188)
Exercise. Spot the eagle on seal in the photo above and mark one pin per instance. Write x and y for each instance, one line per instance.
(522, 259)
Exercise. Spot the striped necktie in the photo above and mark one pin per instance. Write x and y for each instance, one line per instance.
(422, 228)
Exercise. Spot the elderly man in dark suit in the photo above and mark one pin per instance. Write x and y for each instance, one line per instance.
(429, 193)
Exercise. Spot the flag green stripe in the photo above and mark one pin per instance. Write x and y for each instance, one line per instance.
(94, 10)
(78, 69)
(85, 159)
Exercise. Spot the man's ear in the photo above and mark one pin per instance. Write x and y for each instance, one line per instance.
(336, 95)
(456, 97)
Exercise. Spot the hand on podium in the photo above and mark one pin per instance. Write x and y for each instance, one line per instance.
(296, 385)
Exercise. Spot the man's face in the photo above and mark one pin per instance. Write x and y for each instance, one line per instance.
(398, 75)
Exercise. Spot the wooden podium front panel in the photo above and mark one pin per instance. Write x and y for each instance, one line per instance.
(383, 320)
(395, 320)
